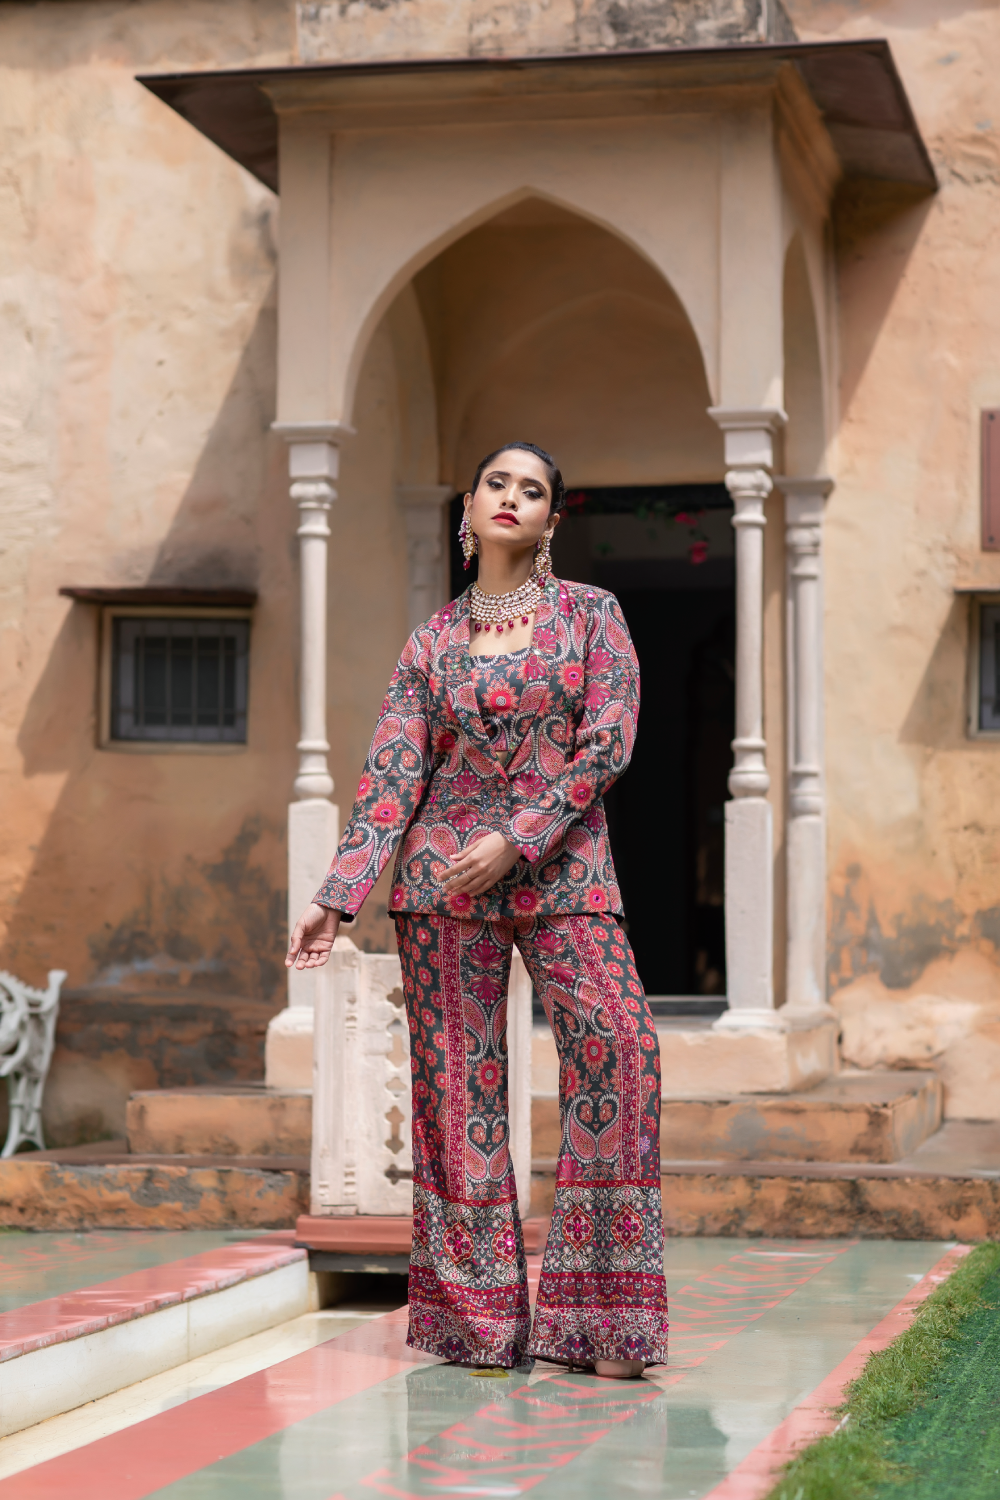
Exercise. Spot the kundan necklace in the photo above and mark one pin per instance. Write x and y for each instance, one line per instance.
(488, 610)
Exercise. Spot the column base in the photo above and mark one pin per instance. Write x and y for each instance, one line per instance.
(288, 1049)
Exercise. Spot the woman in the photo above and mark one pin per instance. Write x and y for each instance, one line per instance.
(509, 715)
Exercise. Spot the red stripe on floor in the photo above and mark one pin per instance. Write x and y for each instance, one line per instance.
(816, 1416)
(130, 1464)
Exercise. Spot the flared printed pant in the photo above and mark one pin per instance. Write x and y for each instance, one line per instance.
(601, 1293)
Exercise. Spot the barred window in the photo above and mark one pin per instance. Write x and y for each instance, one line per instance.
(179, 679)
(989, 667)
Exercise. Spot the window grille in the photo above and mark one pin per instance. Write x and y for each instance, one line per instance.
(179, 679)
(989, 667)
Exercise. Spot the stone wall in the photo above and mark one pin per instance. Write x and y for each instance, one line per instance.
(342, 30)
(914, 852)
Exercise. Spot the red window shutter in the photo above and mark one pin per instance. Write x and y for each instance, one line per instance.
(991, 480)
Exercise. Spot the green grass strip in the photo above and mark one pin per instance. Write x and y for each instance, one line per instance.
(873, 1452)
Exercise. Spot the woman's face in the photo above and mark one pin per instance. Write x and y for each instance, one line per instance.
(511, 505)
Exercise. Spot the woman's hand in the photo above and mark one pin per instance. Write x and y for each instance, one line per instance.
(481, 865)
(313, 937)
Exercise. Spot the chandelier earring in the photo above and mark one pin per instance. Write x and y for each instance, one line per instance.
(468, 539)
(543, 556)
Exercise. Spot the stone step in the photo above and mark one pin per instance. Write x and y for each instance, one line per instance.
(102, 1186)
(948, 1188)
(223, 1120)
(63, 1351)
(852, 1117)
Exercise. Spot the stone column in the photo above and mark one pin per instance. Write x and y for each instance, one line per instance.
(806, 834)
(313, 464)
(749, 451)
(426, 553)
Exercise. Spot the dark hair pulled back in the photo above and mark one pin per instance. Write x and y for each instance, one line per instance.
(551, 469)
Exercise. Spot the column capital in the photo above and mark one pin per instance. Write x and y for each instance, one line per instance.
(804, 499)
(749, 432)
(314, 432)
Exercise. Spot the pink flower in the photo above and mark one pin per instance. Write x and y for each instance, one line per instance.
(460, 902)
(397, 895)
(562, 973)
(572, 674)
(463, 816)
(698, 552)
(483, 986)
(500, 698)
(525, 900)
(387, 813)
(596, 898)
(484, 953)
(581, 793)
(594, 1052)
(543, 637)
(599, 660)
(446, 741)
(467, 783)
(488, 1076)
(533, 669)
(529, 784)
(597, 695)
(364, 786)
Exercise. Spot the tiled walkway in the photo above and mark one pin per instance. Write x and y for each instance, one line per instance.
(317, 1413)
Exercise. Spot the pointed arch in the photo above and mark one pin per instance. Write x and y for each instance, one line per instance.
(370, 309)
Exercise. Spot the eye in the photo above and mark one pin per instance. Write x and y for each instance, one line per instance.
(495, 484)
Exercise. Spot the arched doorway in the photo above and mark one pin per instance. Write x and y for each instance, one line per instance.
(542, 325)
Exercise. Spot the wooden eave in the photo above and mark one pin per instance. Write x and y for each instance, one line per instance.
(854, 86)
(163, 596)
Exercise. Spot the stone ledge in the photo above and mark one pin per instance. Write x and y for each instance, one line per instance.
(44, 1194)
(229, 1120)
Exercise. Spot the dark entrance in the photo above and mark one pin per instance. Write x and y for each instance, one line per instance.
(667, 553)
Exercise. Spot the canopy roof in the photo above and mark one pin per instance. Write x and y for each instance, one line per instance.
(854, 86)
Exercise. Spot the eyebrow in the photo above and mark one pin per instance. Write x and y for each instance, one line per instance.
(505, 474)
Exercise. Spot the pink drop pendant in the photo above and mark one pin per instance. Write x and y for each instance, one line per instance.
(499, 629)
(524, 619)
(486, 627)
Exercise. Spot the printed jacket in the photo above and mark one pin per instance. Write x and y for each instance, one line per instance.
(432, 776)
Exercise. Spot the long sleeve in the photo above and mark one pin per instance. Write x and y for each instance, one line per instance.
(391, 786)
(604, 739)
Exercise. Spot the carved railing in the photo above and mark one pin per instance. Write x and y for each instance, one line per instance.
(362, 1160)
(27, 1036)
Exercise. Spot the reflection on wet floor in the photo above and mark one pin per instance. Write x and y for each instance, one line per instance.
(756, 1326)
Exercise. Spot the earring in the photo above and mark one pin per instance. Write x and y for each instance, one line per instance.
(543, 557)
(468, 539)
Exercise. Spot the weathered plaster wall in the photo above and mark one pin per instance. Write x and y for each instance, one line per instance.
(138, 327)
(358, 29)
(914, 852)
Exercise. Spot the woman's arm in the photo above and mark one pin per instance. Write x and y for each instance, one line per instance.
(391, 786)
(604, 739)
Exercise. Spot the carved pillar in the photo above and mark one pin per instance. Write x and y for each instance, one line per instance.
(426, 553)
(806, 836)
(749, 829)
(313, 464)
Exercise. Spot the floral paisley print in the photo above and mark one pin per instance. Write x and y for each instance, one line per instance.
(433, 782)
(602, 1293)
